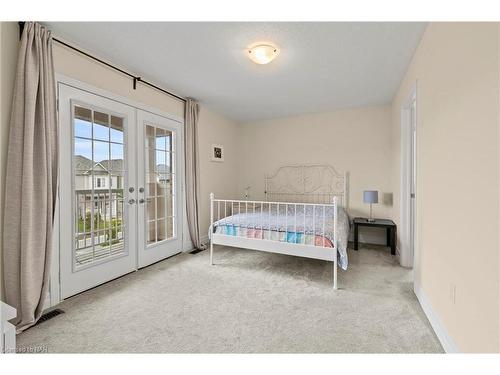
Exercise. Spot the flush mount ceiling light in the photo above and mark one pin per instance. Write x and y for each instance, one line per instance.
(263, 53)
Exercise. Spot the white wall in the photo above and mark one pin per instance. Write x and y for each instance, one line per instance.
(218, 178)
(354, 140)
(457, 69)
(74, 65)
(9, 36)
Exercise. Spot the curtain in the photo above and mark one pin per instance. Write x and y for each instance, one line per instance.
(31, 178)
(192, 171)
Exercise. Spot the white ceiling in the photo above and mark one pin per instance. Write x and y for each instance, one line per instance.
(321, 66)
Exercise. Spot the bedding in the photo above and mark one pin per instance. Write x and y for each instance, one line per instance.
(294, 224)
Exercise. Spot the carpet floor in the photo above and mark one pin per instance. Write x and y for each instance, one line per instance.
(249, 302)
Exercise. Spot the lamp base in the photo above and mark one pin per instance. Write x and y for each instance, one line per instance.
(370, 219)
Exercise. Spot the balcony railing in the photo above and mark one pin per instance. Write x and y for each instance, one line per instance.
(99, 226)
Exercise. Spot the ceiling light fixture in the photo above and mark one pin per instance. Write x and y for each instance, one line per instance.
(263, 53)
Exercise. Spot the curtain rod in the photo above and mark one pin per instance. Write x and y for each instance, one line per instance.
(134, 77)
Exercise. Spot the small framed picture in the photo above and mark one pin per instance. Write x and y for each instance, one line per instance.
(218, 153)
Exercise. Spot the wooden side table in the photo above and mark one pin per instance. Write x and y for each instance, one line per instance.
(389, 225)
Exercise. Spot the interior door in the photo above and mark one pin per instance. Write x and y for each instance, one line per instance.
(98, 230)
(159, 194)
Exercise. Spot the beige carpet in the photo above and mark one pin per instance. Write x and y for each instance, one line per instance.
(248, 302)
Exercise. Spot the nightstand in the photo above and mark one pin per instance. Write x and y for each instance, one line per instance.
(389, 225)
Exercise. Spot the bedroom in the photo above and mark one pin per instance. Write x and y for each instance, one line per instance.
(171, 159)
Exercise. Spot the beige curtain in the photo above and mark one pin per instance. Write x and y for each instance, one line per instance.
(192, 171)
(31, 178)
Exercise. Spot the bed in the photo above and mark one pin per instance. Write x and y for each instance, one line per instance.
(304, 214)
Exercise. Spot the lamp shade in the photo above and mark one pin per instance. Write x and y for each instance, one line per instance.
(370, 196)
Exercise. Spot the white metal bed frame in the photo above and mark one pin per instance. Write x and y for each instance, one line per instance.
(319, 186)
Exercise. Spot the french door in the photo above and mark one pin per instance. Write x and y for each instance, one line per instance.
(159, 161)
(120, 189)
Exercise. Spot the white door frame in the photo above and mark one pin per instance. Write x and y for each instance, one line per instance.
(54, 296)
(408, 250)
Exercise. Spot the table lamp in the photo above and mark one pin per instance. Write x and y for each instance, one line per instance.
(370, 196)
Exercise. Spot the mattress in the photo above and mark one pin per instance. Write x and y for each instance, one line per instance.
(292, 223)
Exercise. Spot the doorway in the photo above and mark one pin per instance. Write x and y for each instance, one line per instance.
(409, 180)
(120, 189)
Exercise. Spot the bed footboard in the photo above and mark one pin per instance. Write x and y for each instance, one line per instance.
(275, 227)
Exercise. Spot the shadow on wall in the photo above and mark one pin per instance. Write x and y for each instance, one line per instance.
(387, 199)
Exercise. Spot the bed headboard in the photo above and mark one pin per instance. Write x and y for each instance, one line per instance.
(314, 183)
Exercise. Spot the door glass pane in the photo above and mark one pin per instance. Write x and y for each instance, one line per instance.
(161, 229)
(116, 152)
(161, 143)
(160, 191)
(116, 129)
(101, 126)
(161, 161)
(151, 229)
(83, 122)
(99, 172)
(101, 154)
(83, 154)
(150, 184)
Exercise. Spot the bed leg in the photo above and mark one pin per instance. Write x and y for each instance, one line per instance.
(212, 196)
(335, 274)
(335, 258)
(211, 253)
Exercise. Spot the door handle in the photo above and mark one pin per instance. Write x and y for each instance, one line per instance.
(142, 200)
(131, 201)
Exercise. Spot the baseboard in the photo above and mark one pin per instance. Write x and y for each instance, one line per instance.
(204, 239)
(188, 246)
(445, 339)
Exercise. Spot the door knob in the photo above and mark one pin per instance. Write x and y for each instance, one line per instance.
(141, 190)
(142, 200)
(131, 201)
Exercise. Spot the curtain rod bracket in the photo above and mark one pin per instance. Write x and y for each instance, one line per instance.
(136, 79)
(21, 29)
